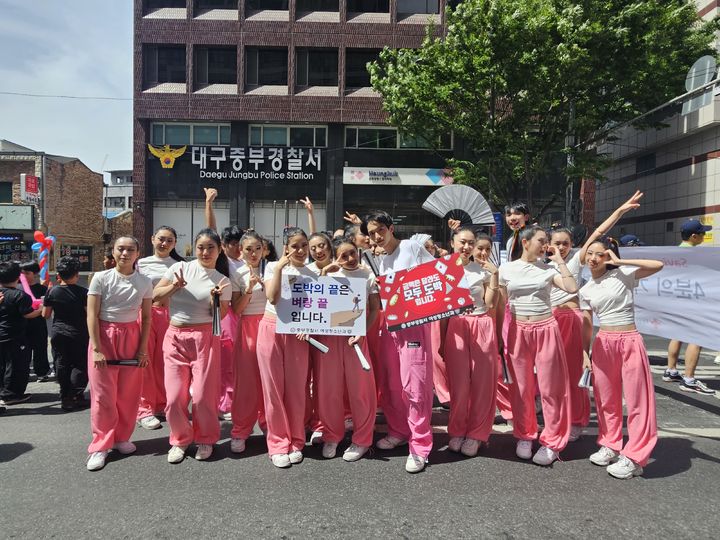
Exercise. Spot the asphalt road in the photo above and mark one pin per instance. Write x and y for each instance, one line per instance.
(46, 492)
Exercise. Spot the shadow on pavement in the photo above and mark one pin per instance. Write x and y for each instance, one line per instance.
(10, 451)
(674, 456)
(694, 400)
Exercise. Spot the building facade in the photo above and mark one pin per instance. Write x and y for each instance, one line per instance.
(118, 194)
(269, 101)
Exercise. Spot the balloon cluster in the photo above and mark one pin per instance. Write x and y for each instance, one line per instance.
(42, 247)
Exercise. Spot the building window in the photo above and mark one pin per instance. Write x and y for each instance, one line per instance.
(114, 202)
(257, 5)
(201, 5)
(645, 163)
(176, 134)
(368, 6)
(215, 65)
(164, 64)
(356, 73)
(318, 5)
(420, 142)
(153, 5)
(408, 7)
(389, 138)
(6, 192)
(267, 66)
(293, 136)
(317, 67)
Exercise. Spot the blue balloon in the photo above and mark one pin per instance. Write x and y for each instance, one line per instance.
(52, 238)
(43, 272)
(36, 246)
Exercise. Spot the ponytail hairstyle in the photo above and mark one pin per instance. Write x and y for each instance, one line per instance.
(173, 253)
(289, 232)
(483, 236)
(221, 264)
(252, 235)
(608, 242)
(342, 240)
(464, 228)
(529, 232)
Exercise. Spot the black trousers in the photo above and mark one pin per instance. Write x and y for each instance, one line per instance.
(71, 361)
(37, 338)
(14, 368)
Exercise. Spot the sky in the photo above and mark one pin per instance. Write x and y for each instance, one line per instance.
(76, 48)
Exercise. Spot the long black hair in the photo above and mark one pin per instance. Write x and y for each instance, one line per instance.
(272, 252)
(173, 253)
(608, 242)
(221, 265)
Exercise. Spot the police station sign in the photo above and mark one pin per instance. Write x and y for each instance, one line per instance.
(257, 163)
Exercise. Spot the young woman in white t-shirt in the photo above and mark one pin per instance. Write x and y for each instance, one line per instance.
(340, 369)
(620, 363)
(152, 397)
(115, 298)
(191, 351)
(248, 303)
(567, 312)
(534, 343)
(470, 348)
(283, 359)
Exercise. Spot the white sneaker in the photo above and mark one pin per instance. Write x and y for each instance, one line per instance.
(717, 360)
(225, 417)
(149, 422)
(237, 446)
(545, 456)
(523, 449)
(329, 450)
(455, 444)
(316, 438)
(96, 460)
(603, 457)
(389, 442)
(296, 456)
(125, 447)
(470, 447)
(204, 451)
(176, 454)
(575, 433)
(624, 468)
(281, 461)
(349, 426)
(415, 463)
(355, 452)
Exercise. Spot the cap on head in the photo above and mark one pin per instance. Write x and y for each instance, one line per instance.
(630, 240)
(693, 226)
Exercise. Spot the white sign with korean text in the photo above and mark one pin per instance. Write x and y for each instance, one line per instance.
(682, 301)
(257, 163)
(333, 306)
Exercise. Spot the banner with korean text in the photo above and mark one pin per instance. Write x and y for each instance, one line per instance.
(332, 306)
(682, 301)
(429, 292)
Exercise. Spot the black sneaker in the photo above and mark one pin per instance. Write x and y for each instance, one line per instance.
(44, 378)
(697, 386)
(668, 376)
(67, 404)
(17, 400)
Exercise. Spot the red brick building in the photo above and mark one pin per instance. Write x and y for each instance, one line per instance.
(271, 101)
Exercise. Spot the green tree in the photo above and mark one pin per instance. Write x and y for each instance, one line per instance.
(506, 76)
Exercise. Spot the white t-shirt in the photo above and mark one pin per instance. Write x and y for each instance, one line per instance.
(477, 277)
(191, 304)
(557, 296)
(408, 254)
(288, 270)
(120, 296)
(313, 267)
(241, 281)
(155, 267)
(611, 296)
(361, 272)
(528, 286)
(234, 264)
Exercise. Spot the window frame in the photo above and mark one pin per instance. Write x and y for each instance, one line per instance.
(287, 127)
(198, 64)
(398, 140)
(192, 125)
(308, 52)
(256, 64)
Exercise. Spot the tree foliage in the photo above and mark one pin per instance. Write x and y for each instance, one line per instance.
(505, 76)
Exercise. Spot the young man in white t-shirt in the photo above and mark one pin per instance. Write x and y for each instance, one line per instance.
(407, 381)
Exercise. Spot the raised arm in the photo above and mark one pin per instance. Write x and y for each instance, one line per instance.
(646, 267)
(631, 204)
(307, 203)
(210, 195)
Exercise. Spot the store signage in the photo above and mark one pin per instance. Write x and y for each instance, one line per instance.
(393, 177)
(257, 163)
(429, 292)
(83, 253)
(29, 188)
(13, 251)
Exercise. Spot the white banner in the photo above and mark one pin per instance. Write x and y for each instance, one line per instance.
(682, 301)
(332, 306)
(395, 176)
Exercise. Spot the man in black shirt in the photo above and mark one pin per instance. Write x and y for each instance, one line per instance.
(37, 334)
(15, 309)
(67, 304)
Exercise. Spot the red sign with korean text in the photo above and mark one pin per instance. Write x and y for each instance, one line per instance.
(429, 292)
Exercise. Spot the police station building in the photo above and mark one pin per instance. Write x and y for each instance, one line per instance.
(270, 101)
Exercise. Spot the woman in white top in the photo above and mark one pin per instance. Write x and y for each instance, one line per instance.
(283, 359)
(115, 298)
(191, 351)
(470, 348)
(152, 397)
(534, 342)
(567, 312)
(248, 303)
(619, 360)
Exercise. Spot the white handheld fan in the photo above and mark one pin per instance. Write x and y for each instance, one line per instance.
(459, 202)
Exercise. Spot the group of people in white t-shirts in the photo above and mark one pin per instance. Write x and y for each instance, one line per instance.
(156, 349)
